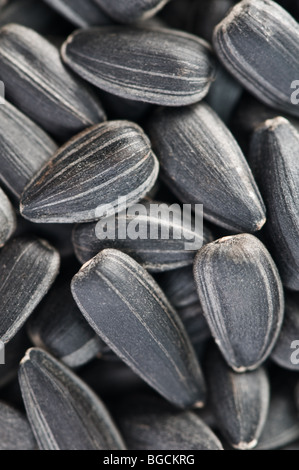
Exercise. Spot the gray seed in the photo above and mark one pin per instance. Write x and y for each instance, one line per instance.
(202, 163)
(242, 298)
(148, 423)
(283, 352)
(95, 168)
(125, 306)
(239, 401)
(131, 63)
(63, 412)
(8, 220)
(275, 164)
(81, 13)
(33, 73)
(28, 267)
(24, 149)
(58, 326)
(15, 432)
(155, 255)
(131, 10)
(258, 43)
(282, 426)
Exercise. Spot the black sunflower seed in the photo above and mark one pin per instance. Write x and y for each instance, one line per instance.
(242, 298)
(239, 401)
(258, 43)
(125, 306)
(149, 423)
(275, 164)
(102, 170)
(174, 244)
(33, 73)
(8, 220)
(58, 326)
(202, 163)
(24, 149)
(63, 412)
(81, 13)
(131, 10)
(159, 66)
(28, 267)
(15, 431)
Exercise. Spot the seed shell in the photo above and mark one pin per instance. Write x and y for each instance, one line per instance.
(239, 401)
(242, 298)
(130, 62)
(81, 13)
(63, 412)
(131, 10)
(92, 171)
(8, 220)
(202, 164)
(274, 161)
(149, 336)
(33, 73)
(258, 43)
(15, 431)
(28, 267)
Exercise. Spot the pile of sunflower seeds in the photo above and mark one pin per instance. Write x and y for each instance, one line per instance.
(134, 342)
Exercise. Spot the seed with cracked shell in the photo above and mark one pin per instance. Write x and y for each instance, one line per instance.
(242, 298)
(126, 307)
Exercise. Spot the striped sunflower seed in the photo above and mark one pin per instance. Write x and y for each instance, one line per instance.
(131, 10)
(81, 13)
(128, 310)
(8, 221)
(32, 71)
(63, 412)
(239, 401)
(155, 255)
(24, 149)
(28, 267)
(242, 298)
(274, 161)
(58, 326)
(258, 43)
(131, 63)
(15, 431)
(92, 171)
(149, 423)
(282, 353)
(202, 163)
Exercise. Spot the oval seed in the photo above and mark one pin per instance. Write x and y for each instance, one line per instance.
(99, 172)
(131, 63)
(242, 298)
(8, 221)
(125, 306)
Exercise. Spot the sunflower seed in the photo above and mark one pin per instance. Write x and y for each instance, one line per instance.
(156, 255)
(130, 62)
(149, 423)
(282, 353)
(24, 148)
(282, 425)
(195, 325)
(131, 10)
(252, 31)
(58, 326)
(110, 164)
(81, 13)
(275, 164)
(8, 220)
(149, 335)
(242, 298)
(239, 401)
(15, 432)
(202, 163)
(28, 267)
(33, 73)
(179, 286)
(63, 412)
